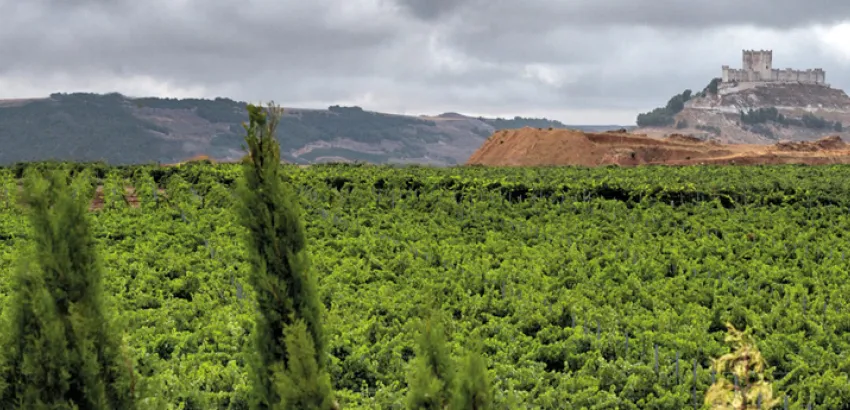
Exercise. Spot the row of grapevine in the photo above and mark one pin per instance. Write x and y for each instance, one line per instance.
(585, 286)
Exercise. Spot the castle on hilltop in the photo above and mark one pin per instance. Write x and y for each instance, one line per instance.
(758, 68)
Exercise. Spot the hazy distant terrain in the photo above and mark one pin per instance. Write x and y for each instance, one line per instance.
(121, 130)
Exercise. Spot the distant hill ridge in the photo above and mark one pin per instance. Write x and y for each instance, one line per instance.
(123, 130)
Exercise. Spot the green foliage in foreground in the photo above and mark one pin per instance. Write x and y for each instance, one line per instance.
(432, 371)
(573, 280)
(59, 351)
(473, 382)
(285, 289)
(302, 384)
(438, 382)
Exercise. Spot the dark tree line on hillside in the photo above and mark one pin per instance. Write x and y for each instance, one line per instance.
(353, 123)
(771, 114)
(520, 122)
(93, 127)
(663, 116)
(304, 126)
(216, 111)
(80, 127)
(711, 88)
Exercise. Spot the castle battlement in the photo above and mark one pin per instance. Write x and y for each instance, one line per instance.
(757, 67)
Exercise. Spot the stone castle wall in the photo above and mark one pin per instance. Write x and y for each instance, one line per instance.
(758, 67)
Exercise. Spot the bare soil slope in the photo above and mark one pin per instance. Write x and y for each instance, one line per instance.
(538, 147)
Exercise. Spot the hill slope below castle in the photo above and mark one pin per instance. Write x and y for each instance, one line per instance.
(121, 130)
(752, 113)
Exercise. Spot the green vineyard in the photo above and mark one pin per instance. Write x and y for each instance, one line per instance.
(603, 288)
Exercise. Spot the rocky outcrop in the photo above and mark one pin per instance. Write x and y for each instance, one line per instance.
(808, 112)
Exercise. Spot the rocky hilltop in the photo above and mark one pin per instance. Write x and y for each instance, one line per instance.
(123, 130)
(753, 113)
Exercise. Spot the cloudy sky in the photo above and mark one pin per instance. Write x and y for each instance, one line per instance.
(578, 61)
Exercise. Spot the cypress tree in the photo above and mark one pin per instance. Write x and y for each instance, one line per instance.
(302, 385)
(431, 377)
(275, 244)
(473, 390)
(58, 349)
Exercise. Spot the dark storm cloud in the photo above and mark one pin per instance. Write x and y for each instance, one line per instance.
(211, 40)
(538, 14)
(589, 31)
(423, 56)
(430, 9)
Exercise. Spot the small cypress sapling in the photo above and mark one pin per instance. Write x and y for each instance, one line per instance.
(275, 244)
(58, 349)
(473, 391)
(303, 385)
(431, 376)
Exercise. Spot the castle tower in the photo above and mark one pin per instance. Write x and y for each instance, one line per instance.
(759, 63)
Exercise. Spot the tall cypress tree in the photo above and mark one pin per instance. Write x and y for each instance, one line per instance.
(58, 349)
(275, 241)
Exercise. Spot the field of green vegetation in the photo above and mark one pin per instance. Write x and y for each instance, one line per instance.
(600, 288)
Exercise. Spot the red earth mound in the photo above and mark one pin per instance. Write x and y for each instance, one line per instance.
(539, 147)
(832, 143)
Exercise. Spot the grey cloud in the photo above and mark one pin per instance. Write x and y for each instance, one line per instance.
(539, 14)
(430, 10)
(590, 31)
(427, 56)
(208, 39)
